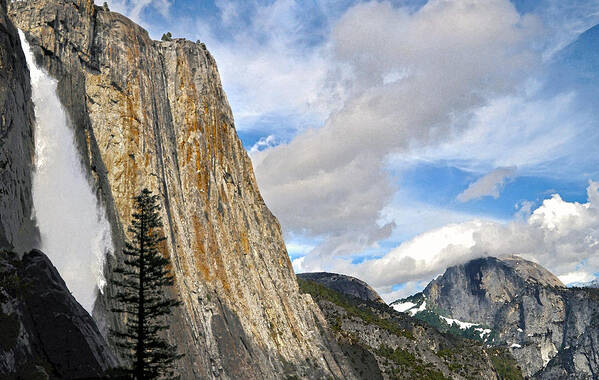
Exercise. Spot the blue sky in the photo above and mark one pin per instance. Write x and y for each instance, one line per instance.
(405, 136)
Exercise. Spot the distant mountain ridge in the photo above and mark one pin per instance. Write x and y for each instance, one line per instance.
(588, 284)
(344, 284)
(552, 331)
(384, 344)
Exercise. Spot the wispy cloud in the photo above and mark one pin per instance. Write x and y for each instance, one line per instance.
(263, 143)
(134, 8)
(273, 62)
(488, 185)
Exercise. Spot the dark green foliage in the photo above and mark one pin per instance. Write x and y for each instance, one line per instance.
(409, 364)
(167, 36)
(318, 291)
(142, 281)
(467, 358)
(503, 362)
(505, 365)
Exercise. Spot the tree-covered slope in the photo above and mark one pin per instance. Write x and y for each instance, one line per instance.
(382, 343)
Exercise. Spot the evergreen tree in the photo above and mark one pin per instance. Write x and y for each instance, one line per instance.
(142, 282)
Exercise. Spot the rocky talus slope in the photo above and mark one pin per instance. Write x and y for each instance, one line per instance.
(382, 343)
(552, 331)
(153, 114)
(343, 284)
(17, 230)
(44, 332)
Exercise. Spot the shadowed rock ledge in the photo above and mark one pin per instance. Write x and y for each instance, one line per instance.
(17, 229)
(44, 331)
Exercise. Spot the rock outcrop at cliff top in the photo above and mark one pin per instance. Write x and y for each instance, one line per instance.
(552, 331)
(17, 230)
(44, 331)
(153, 114)
(344, 284)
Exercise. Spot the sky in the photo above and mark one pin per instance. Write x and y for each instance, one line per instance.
(395, 138)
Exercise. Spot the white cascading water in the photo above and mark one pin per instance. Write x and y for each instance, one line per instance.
(75, 233)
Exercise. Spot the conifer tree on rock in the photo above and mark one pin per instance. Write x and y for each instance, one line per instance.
(142, 282)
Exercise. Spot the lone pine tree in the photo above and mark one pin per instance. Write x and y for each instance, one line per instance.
(142, 282)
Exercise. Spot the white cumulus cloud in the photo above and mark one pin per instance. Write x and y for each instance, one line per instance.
(332, 181)
(562, 236)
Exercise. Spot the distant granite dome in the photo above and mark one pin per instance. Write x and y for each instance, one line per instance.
(344, 284)
(531, 271)
(550, 330)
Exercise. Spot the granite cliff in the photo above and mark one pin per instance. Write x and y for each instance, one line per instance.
(552, 331)
(17, 230)
(153, 114)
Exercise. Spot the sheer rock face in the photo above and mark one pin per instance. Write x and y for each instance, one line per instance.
(17, 230)
(552, 330)
(43, 330)
(153, 114)
(344, 284)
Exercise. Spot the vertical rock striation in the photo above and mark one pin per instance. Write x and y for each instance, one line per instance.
(153, 113)
(17, 230)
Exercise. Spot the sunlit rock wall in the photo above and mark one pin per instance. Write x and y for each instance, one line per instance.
(153, 113)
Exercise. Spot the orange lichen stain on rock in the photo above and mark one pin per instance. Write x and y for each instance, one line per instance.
(214, 252)
(199, 252)
(88, 5)
(126, 179)
(132, 46)
(245, 243)
(192, 116)
(188, 152)
(147, 159)
(217, 140)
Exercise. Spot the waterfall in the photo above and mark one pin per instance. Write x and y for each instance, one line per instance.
(74, 231)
